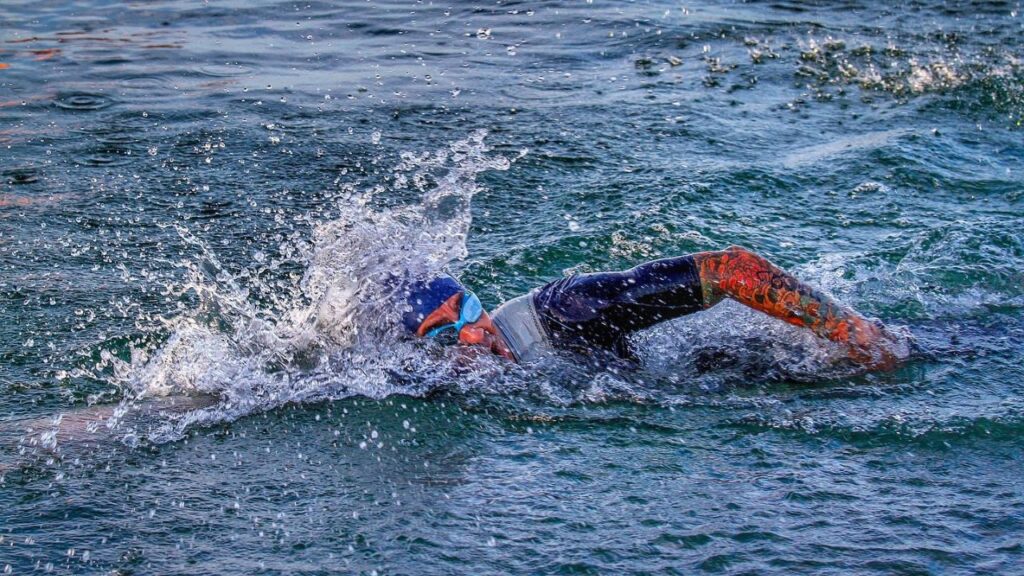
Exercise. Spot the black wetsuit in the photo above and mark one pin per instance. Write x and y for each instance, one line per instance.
(601, 310)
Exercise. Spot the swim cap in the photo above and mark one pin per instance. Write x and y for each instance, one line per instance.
(425, 297)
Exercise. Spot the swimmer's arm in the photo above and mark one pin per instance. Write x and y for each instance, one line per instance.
(84, 430)
(752, 280)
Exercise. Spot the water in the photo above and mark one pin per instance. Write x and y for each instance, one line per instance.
(202, 205)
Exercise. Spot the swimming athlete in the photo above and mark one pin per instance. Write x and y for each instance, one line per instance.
(583, 312)
(587, 312)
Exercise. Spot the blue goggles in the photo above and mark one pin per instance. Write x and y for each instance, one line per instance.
(469, 312)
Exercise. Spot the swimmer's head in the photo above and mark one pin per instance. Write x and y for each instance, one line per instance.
(443, 306)
(424, 298)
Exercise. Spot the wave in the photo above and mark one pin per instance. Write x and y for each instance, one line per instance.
(893, 427)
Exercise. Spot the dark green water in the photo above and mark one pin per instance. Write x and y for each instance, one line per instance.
(198, 203)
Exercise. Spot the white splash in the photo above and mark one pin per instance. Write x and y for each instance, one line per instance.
(335, 332)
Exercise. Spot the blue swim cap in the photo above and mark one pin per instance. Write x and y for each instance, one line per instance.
(425, 297)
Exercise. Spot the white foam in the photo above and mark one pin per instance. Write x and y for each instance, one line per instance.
(335, 334)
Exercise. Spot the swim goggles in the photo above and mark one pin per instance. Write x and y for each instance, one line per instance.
(469, 312)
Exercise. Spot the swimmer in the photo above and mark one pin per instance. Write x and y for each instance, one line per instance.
(583, 312)
(588, 312)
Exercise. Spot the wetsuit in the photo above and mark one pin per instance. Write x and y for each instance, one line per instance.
(587, 311)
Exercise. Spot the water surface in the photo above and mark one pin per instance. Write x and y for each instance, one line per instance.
(200, 205)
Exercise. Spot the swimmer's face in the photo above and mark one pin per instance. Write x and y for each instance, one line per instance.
(480, 333)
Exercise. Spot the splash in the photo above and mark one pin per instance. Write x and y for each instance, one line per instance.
(255, 344)
(317, 321)
(939, 65)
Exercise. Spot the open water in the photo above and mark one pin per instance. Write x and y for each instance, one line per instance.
(200, 204)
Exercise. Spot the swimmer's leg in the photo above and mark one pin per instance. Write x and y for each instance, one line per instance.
(752, 280)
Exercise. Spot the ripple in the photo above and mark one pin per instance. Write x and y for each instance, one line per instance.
(294, 125)
(115, 136)
(684, 541)
(148, 83)
(83, 101)
(102, 156)
(224, 70)
(21, 175)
